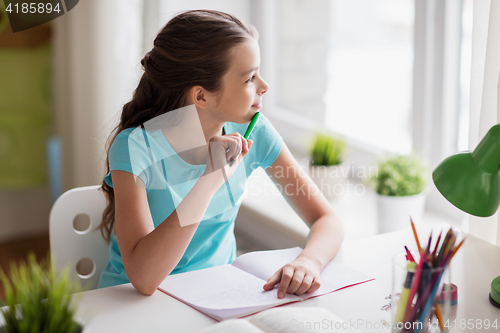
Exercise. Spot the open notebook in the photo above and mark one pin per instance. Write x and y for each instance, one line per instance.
(236, 290)
(285, 320)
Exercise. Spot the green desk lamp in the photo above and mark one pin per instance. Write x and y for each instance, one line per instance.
(471, 182)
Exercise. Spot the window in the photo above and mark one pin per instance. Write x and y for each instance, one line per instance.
(382, 73)
(348, 66)
(387, 77)
(370, 70)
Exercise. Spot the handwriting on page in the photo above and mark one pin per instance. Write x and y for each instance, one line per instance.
(223, 287)
(245, 295)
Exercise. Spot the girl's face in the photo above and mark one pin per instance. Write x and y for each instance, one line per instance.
(243, 87)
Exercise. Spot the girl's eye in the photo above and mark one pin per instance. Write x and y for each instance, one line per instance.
(250, 79)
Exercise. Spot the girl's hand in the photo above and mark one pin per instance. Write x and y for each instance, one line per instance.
(297, 277)
(224, 149)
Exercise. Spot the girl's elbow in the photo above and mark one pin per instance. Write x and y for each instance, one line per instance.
(145, 289)
(146, 284)
(143, 284)
(147, 292)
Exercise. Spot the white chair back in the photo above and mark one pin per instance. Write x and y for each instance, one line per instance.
(75, 243)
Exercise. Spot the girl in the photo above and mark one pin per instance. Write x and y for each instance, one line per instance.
(173, 194)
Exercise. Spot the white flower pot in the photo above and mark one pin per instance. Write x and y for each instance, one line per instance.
(393, 213)
(331, 180)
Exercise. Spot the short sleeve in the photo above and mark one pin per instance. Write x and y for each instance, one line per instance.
(267, 144)
(129, 152)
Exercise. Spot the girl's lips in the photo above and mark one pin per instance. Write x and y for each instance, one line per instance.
(258, 106)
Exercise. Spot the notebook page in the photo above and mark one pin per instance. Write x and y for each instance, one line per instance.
(222, 287)
(231, 326)
(300, 320)
(336, 276)
(263, 264)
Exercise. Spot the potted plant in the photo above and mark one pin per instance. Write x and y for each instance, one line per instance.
(37, 300)
(399, 183)
(326, 168)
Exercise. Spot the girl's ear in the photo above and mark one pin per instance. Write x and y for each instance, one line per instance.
(199, 97)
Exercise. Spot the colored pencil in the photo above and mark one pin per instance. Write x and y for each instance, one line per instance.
(439, 316)
(424, 297)
(415, 285)
(447, 250)
(429, 302)
(408, 255)
(437, 244)
(415, 234)
(443, 246)
(456, 249)
(425, 287)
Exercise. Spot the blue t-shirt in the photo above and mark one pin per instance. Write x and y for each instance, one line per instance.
(147, 154)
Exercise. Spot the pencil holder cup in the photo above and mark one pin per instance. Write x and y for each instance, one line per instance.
(416, 290)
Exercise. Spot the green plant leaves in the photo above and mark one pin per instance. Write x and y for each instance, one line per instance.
(327, 150)
(37, 300)
(400, 176)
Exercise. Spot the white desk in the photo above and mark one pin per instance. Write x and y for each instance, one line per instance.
(123, 309)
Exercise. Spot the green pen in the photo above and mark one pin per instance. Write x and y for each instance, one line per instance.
(251, 125)
(250, 128)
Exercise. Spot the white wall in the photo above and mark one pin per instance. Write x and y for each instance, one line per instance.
(98, 47)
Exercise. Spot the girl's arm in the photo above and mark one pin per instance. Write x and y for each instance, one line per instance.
(326, 230)
(149, 255)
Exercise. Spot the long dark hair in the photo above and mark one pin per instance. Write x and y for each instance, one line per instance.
(193, 48)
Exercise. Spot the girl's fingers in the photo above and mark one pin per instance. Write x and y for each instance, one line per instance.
(296, 283)
(273, 280)
(226, 150)
(241, 142)
(235, 152)
(286, 277)
(240, 150)
(244, 152)
(231, 141)
(232, 145)
(315, 286)
(306, 285)
(245, 144)
(292, 281)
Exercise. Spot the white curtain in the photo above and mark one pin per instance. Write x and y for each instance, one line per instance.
(97, 50)
(485, 94)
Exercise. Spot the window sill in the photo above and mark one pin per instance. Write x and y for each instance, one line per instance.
(267, 221)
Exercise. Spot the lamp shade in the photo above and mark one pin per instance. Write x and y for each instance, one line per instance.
(471, 180)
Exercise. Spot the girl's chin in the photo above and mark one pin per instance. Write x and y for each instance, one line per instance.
(249, 119)
(246, 118)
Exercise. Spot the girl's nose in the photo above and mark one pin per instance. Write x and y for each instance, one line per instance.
(265, 87)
